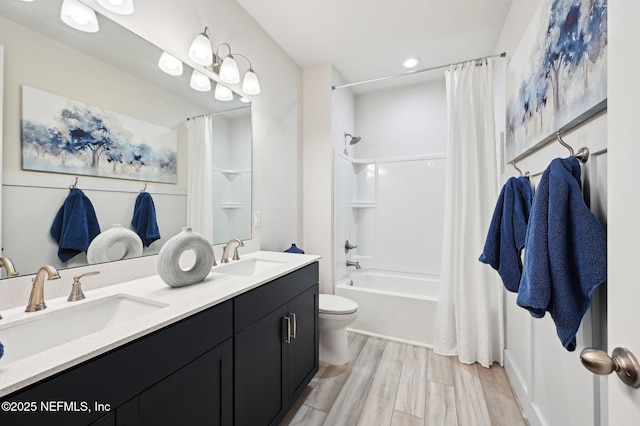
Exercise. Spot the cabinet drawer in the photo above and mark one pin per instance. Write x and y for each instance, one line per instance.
(255, 304)
(125, 372)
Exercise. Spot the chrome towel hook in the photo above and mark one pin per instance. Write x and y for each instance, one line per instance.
(583, 153)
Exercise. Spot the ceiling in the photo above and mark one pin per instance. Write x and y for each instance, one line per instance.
(368, 39)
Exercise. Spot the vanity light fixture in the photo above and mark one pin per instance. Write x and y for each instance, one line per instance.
(411, 62)
(200, 50)
(226, 67)
(79, 16)
(121, 7)
(200, 82)
(170, 64)
(223, 93)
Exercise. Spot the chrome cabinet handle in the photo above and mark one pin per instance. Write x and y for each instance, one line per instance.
(622, 361)
(295, 326)
(288, 338)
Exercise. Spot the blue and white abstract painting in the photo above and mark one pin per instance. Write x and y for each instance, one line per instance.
(61, 135)
(557, 77)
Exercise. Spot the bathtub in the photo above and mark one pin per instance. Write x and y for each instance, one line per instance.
(393, 305)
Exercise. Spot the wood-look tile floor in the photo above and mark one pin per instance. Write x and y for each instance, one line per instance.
(388, 383)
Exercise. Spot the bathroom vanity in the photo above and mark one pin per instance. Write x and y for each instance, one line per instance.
(243, 358)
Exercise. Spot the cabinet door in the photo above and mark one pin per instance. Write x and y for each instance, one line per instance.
(260, 360)
(303, 350)
(199, 393)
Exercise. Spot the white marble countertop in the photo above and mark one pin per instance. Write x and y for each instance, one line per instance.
(181, 303)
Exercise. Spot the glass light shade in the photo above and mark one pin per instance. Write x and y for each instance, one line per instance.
(170, 64)
(250, 83)
(229, 71)
(223, 93)
(79, 16)
(201, 51)
(200, 82)
(121, 7)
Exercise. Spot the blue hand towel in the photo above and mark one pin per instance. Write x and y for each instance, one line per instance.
(1, 350)
(144, 219)
(75, 225)
(565, 254)
(507, 231)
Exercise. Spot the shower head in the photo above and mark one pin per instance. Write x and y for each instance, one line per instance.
(354, 139)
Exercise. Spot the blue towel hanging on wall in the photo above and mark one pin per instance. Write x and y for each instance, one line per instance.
(565, 254)
(75, 225)
(507, 231)
(144, 219)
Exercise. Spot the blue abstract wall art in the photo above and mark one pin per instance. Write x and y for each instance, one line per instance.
(557, 77)
(61, 135)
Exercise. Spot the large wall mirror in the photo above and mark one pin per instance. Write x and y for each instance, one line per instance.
(116, 71)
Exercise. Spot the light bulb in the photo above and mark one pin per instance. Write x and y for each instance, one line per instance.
(79, 16)
(201, 51)
(170, 64)
(223, 93)
(229, 71)
(200, 82)
(121, 7)
(250, 83)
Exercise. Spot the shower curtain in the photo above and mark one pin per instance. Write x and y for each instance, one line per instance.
(469, 316)
(199, 176)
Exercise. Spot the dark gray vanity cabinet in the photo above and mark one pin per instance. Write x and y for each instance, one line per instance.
(244, 361)
(276, 346)
(200, 393)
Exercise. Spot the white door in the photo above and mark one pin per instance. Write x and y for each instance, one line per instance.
(623, 231)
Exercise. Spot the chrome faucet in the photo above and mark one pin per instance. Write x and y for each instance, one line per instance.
(36, 298)
(225, 252)
(351, 263)
(8, 265)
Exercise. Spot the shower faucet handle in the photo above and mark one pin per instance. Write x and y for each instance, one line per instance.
(348, 246)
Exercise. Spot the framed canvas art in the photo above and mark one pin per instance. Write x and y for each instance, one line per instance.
(557, 77)
(61, 135)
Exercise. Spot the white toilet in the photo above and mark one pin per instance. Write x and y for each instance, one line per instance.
(336, 313)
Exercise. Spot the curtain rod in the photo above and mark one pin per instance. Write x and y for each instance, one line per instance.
(211, 114)
(342, 86)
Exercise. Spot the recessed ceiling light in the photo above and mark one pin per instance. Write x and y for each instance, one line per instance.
(411, 62)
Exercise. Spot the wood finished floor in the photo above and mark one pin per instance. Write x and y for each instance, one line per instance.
(394, 384)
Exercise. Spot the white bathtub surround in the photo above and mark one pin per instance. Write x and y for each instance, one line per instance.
(469, 317)
(397, 306)
(200, 179)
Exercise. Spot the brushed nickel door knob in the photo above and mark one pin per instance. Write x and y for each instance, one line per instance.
(622, 361)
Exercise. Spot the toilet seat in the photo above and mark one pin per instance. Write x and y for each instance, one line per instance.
(336, 305)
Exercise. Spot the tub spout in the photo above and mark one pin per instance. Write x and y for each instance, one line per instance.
(351, 263)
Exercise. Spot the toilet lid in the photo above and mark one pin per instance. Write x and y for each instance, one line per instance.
(332, 304)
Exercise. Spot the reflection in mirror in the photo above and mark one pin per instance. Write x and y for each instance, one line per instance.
(43, 53)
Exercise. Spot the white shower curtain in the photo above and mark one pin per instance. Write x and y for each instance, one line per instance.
(199, 176)
(469, 318)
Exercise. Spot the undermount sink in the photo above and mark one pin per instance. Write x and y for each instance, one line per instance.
(46, 330)
(247, 267)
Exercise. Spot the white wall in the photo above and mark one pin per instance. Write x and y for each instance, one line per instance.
(408, 120)
(317, 169)
(551, 384)
(276, 111)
